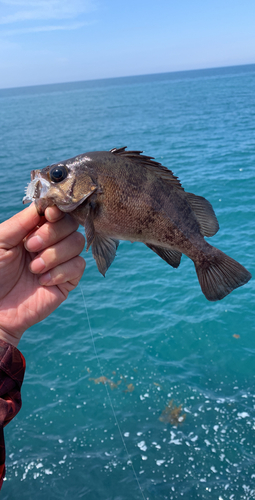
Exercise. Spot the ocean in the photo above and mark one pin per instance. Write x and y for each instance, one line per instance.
(146, 326)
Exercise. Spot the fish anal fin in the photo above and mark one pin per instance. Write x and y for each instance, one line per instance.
(104, 251)
(204, 213)
(172, 257)
(220, 275)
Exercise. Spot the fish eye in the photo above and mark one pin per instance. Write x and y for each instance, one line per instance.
(58, 174)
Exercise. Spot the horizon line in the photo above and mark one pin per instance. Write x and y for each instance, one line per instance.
(128, 76)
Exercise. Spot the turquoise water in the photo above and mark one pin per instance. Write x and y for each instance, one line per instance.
(151, 325)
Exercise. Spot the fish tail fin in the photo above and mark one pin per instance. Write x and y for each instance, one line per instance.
(219, 275)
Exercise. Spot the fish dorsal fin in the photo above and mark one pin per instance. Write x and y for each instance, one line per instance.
(149, 163)
(204, 213)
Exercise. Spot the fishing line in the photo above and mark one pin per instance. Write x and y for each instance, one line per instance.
(109, 398)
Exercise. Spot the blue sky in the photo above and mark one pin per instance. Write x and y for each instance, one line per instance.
(51, 41)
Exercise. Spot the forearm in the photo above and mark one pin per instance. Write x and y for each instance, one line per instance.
(12, 369)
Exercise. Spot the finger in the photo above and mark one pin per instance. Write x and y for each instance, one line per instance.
(15, 229)
(61, 252)
(70, 271)
(50, 233)
(67, 287)
(53, 214)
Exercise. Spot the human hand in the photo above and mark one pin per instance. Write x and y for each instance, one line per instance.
(38, 270)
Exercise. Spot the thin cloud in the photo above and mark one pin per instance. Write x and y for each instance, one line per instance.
(38, 29)
(41, 10)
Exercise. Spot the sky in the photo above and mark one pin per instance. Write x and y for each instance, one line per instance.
(54, 41)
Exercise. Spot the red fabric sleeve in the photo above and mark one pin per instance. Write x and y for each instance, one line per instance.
(12, 369)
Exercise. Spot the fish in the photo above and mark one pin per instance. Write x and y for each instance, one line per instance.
(126, 195)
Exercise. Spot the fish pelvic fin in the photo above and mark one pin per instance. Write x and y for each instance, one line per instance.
(220, 275)
(104, 251)
(172, 257)
(204, 213)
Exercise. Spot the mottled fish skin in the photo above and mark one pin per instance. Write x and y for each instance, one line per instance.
(123, 195)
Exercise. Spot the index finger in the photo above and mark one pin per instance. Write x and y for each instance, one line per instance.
(14, 230)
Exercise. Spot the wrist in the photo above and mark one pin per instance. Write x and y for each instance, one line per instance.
(9, 338)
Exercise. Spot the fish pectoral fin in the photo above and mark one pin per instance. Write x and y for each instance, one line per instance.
(104, 251)
(89, 230)
(172, 257)
(204, 213)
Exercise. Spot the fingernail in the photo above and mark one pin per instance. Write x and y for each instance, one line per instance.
(34, 243)
(52, 214)
(45, 278)
(37, 265)
(48, 214)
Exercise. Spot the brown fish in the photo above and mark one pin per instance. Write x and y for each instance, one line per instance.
(123, 195)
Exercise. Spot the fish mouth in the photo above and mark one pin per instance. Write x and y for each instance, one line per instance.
(37, 191)
(37, 188)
